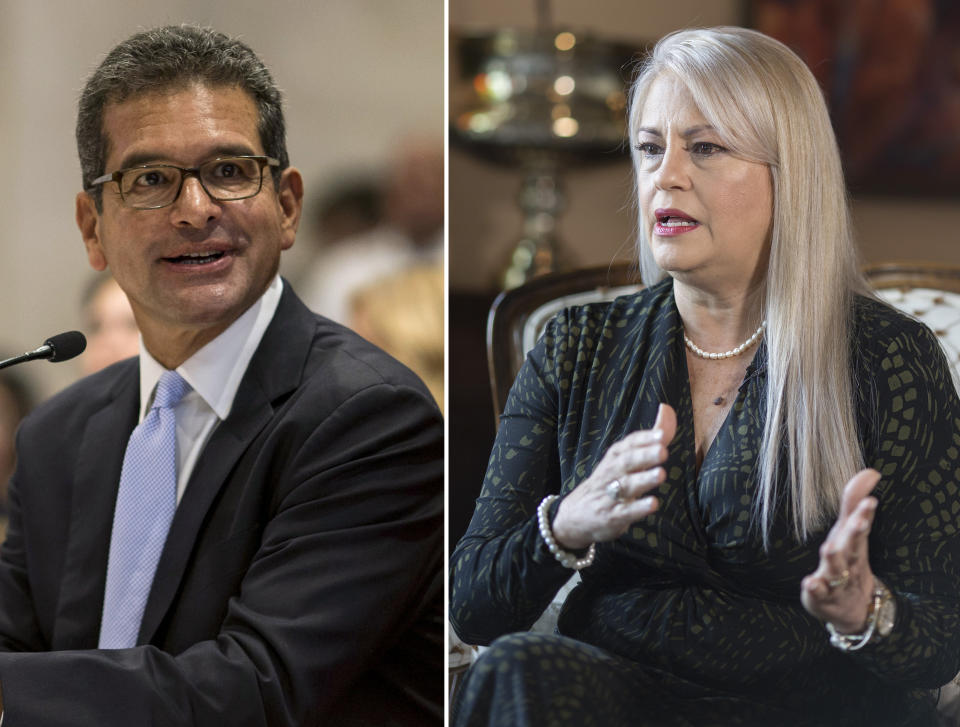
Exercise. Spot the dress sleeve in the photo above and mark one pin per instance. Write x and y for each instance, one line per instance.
(915, 540)
(502, 575)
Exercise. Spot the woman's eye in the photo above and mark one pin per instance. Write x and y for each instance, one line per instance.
(706, 148)
(649, 149)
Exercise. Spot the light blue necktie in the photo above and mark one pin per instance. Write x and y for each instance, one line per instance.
(146, 501)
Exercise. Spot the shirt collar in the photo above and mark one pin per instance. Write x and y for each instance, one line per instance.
(214, 372)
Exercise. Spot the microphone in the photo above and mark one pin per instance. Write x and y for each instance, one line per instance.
(61, 347)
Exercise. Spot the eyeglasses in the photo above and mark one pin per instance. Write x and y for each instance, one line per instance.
(152, 186)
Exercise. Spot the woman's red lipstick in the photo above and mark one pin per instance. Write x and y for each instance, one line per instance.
(672, 222)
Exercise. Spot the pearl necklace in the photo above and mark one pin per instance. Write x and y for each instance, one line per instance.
(726, 354)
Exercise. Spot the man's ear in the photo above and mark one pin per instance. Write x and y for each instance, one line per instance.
(88, 220)
(290, 195)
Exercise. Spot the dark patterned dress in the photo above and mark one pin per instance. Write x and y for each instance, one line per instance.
(686, 619)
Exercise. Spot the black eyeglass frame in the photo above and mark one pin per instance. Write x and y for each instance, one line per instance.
(262, 161)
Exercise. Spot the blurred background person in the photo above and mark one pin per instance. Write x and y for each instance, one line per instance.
(410, 232)
(17, 399)
(349, 208)
(109, 325)
(403, 314)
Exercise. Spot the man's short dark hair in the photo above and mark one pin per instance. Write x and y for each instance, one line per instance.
(170, 58)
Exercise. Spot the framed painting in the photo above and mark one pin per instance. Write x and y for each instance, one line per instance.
(890, 71)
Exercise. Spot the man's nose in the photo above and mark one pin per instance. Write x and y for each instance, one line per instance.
(194, 207)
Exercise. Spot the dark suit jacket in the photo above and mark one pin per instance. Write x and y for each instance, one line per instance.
(301, 581)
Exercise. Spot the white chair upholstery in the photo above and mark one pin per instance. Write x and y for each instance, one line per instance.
(938, 309)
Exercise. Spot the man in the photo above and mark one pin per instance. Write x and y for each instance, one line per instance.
(280, 564)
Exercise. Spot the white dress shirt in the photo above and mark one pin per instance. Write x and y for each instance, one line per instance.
(214, 373)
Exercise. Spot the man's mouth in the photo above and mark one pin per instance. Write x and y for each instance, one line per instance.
(195, 258)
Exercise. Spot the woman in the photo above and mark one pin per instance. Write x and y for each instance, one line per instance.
(753, 463)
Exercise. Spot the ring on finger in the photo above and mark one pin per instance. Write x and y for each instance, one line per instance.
(615, 490)
(841, 581)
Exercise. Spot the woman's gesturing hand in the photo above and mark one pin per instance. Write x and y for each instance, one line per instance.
(604, 505)
(841, 589)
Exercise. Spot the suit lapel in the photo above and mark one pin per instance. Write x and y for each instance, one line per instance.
(94, 494)
(275, 369)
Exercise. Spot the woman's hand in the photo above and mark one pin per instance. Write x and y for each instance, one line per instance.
(597, 509)
(841, 589)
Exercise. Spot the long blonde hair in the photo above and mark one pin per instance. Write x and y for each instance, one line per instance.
(766, 106)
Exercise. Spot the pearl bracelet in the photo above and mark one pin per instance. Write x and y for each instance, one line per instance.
(568, 560)
(876, 612)
(853, 642)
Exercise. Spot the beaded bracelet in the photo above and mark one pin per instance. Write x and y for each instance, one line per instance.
(568, 560)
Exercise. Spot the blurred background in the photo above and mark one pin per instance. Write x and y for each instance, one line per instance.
(363, 88)
(516, 198)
